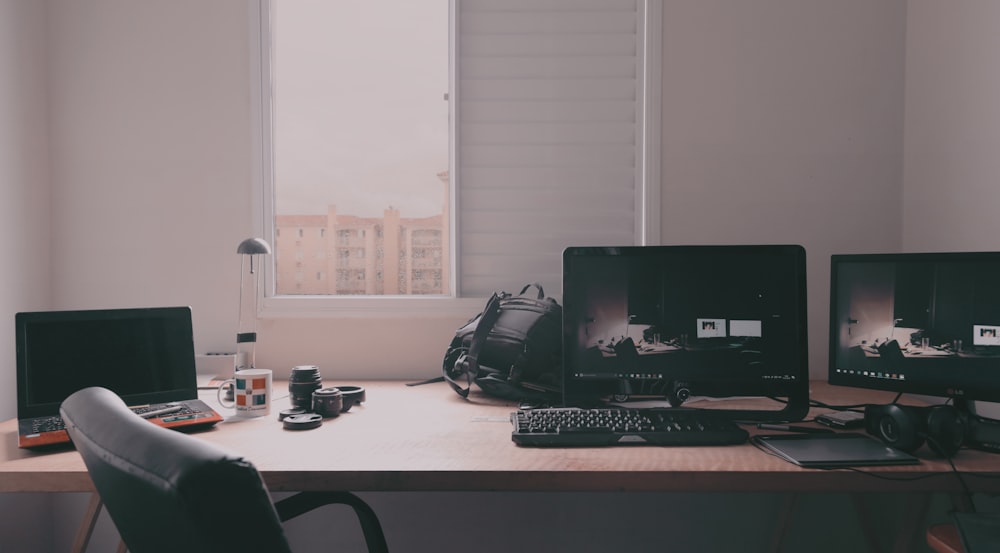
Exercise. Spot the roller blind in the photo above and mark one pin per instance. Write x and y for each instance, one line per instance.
(548, 146)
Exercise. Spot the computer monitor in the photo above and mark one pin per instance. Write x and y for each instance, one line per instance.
(921, 323)
(678, 324)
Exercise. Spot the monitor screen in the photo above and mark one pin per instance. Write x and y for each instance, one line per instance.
(687, 325)
(924, 323)
(145, 355)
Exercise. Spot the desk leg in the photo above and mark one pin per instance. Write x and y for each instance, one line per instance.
(87, 524)
(86, 529)
(864, 521)
(911, 525)
(912, 528)
(784, 521)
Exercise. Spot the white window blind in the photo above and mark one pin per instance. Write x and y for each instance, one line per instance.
(549, 145)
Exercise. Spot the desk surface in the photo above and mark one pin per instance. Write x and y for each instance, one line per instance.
(426, 438)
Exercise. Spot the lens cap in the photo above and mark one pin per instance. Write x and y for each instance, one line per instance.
(285, 413)
(307, 421)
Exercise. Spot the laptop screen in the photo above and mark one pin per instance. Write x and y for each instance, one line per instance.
(145, 355)
(686, 323)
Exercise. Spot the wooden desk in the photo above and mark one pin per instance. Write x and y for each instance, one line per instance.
(426, 438)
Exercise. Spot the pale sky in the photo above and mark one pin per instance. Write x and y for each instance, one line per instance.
(360, 118)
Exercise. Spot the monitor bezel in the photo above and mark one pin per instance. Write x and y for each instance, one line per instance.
(916, 387)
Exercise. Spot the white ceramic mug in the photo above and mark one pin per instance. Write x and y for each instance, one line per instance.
(251, 392)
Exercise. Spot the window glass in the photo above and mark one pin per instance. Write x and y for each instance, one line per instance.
(360, 144)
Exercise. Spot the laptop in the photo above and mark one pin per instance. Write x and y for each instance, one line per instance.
(145, 355)
(690, 326)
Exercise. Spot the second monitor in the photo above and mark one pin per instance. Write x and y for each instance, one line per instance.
(922, 323)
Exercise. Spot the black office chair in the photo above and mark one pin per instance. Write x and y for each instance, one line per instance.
(169, 492)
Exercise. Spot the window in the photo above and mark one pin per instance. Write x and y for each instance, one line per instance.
(553, 135)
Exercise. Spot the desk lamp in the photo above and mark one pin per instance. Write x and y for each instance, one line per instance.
(246, 332)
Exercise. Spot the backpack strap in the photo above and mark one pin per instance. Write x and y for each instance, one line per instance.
(541, 292)
(428, 381)
(468, 363)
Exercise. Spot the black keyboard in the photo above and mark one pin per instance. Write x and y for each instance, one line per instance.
(565, 427)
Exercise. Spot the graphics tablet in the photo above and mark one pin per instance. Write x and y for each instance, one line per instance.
(833, 450)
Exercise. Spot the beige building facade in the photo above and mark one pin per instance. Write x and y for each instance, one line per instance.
(339, 254)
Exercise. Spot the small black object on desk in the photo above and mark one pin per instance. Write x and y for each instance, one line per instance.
(789, 428)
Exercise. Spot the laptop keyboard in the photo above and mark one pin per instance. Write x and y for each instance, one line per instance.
(47, 424)
(55, 422)
(564, 427)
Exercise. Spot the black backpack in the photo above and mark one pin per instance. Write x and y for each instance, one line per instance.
(512, 350)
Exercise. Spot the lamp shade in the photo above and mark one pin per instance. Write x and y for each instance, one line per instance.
(253, 246)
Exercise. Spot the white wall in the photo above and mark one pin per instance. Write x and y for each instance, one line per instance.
(952, 141)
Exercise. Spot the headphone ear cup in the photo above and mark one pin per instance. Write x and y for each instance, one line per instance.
(900, 427)
(946, 429)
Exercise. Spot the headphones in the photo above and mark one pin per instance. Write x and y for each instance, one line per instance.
(906, 428)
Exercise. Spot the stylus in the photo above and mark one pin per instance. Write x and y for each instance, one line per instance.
(159, 412)
(787, 428)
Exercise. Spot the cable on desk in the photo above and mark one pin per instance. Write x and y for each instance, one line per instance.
(814, 403)
(856, 407)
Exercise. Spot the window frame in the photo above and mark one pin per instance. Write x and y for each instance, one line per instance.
(270, 305)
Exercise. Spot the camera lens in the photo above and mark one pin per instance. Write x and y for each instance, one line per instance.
(327, 402)
(304, 380)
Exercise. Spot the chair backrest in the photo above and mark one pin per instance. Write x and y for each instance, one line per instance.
(166, 491)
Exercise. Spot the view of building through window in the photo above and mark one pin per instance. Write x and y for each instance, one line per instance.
(360, 147)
